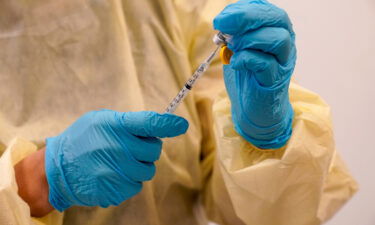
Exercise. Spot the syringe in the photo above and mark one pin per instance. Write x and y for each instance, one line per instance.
(218, 39)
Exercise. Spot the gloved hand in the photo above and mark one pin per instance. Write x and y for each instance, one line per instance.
(103, 158)
(257, 79)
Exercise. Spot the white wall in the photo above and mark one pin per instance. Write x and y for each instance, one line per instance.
(336, 58)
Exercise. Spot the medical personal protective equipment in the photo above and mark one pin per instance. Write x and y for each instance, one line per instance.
(258, 77)
(63, 58)
(103, 158)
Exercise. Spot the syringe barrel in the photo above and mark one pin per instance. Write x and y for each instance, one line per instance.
(178, 99)
(219, 39)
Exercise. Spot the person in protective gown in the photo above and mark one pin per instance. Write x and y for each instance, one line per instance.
(81, 141)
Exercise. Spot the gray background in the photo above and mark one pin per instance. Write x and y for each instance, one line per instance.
(336, 58)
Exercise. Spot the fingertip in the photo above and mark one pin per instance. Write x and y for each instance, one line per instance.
(150, 172)
(228, 20)
(148, 150)
(153, 124)
(219, 24)
(133, 189)
(215, 22)
(184, 126)
(178, 125)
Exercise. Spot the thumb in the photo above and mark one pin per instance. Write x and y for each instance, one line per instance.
(152, 124)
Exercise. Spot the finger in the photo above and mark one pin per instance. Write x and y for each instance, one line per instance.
(145, 149)
(134, 169)
(122, 161)
(274, 40)
(113, 186)
(264, 66)
(246, 15)
(143, 171)
(152, 124)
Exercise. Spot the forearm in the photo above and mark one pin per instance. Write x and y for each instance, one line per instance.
(32, 183)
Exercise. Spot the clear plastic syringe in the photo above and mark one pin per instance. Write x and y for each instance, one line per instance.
(219, 38)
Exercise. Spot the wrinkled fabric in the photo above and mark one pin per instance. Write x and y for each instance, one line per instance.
(60, 59)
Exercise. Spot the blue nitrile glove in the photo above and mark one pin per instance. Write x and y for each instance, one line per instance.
(103, 158)
(257, 79)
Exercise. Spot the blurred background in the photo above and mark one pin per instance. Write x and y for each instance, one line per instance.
(336, 58)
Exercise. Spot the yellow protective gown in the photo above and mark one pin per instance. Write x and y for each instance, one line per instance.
(62, 58)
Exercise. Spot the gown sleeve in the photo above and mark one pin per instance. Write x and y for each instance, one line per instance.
(13, 210)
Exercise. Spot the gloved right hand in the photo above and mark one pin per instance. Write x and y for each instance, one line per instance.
(103, 158)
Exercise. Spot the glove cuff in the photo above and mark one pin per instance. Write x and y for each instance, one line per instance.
(269, 137)
(273, 102)
(60, 196)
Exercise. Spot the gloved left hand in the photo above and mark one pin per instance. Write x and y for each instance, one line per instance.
(103, 158)
(260, 70)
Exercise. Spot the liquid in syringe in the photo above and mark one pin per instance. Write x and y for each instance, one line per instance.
(219, 39)
(190, 83)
